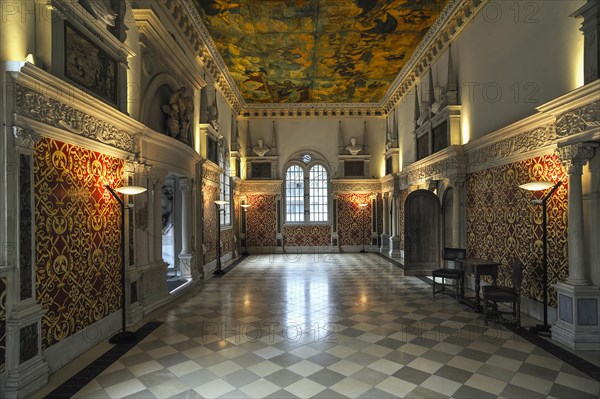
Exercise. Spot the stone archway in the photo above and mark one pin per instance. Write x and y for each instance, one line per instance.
(422, 233)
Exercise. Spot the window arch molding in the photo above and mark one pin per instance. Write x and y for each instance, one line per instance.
(307, 189)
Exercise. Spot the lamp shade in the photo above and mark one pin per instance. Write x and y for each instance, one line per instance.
(221, 202)
(537, 185)
(130, 190)
(362, 205)
(245, 205)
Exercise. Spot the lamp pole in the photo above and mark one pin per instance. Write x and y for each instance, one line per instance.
(218, 270)
(245, 208)
(543, 328)
(363, 207)
(124, 336)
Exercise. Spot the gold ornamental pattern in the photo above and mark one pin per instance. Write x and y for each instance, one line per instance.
(78, 237)
(502, 223)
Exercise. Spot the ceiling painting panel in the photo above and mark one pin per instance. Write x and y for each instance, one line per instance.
(316, 51)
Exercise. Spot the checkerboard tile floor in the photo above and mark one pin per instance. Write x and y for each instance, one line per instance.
(331, 326)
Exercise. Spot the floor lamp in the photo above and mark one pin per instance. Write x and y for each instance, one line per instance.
(218, 204)
(245, 208)
(539, 186)
(363, 207)
(124, 336)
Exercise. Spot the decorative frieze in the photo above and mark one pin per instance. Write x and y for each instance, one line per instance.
(355, 186)
(260, 186)
(534, 139)
(578, 120)
(211, 173)
(47, 110)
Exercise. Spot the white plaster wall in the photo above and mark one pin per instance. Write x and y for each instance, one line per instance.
(320, 135)
(513, 57)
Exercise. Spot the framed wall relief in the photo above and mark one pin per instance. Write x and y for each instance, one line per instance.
(261, 170)
(89, 66)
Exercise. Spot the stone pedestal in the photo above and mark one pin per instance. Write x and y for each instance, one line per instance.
(577, 325)
(385, 243)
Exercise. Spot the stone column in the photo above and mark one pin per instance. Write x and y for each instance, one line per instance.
(395, 238)
(590, 27)
(385, 236)
(456, 214)
(185, 256)
(578, 323)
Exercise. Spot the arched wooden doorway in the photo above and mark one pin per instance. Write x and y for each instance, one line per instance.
(422, 230)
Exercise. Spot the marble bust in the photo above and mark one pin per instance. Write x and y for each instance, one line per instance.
(260, 148)
(353, 149)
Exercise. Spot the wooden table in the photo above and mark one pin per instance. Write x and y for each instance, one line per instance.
(479, 267)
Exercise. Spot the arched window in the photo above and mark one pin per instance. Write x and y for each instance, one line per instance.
(294, 194)
(225, 194)
(317, 181)
(306, 194)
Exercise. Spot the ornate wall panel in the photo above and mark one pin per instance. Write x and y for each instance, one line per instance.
(2, 324)
(78, 237)
(209, 194)
(350, 219)
(261, 220)
(503, 224)
(379, 213)
(302, 236)
(401, 200)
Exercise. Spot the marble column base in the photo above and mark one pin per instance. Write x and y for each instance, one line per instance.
(395, 247)
(578, 322)
(385, 243)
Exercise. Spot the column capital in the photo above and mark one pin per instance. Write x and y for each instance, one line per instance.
(25, 138)
(574, 156)
(185, 184)
(158, 176)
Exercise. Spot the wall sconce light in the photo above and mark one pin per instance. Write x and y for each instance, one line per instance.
(124, 336)
(540, 186)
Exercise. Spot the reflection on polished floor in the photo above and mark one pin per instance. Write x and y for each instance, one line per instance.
(331, 326)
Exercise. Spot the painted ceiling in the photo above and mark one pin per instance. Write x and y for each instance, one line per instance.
(316, 51)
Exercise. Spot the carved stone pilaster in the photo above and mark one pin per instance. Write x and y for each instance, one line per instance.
(185, 185)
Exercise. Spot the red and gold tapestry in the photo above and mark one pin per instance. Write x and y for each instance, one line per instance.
(351, 217)
(209, 195)
(302, 236)
(262, 222)
(503, 224)
(77, 236)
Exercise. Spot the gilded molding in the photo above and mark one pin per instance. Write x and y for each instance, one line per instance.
(41, 108)
(25, 138)
(578, 120)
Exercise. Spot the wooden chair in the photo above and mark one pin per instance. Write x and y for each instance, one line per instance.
(449, 274)
(495, 294)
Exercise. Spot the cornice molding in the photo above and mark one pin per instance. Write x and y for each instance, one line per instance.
(153, 33)
(449, 163)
